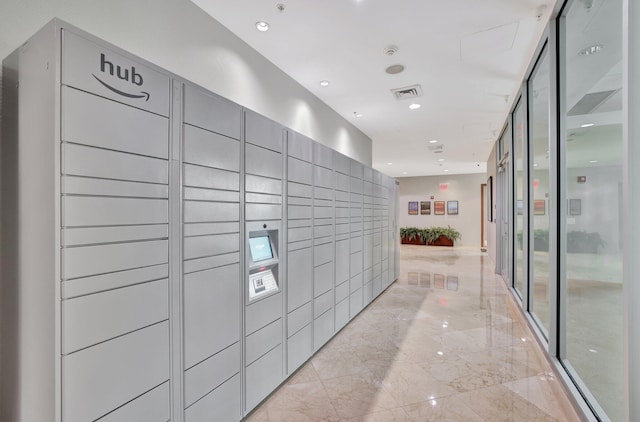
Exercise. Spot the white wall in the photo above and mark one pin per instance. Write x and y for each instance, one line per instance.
(464, 188)
(180, 37)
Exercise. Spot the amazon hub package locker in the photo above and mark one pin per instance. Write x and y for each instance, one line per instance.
(167, 255)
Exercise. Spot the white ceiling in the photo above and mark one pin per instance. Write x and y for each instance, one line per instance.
(469, 57)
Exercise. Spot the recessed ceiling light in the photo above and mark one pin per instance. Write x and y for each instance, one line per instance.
(389, 164)
(441, 159)
(394, 69)
(535, 165)
(404, 172)
(324, 83)
(415, 106)
(262, 26)
(358, 115)
(592, 49)
(433, 141)
(587, 125)
(593, 161)
(446, 170)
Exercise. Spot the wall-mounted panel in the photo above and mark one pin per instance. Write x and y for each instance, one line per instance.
(211, 373)
(299, 278)
(88, 120)
(82, 160)
(322, 155)
(299, 146)
(262, 132)
(211, 112)
(129, 309)
(211, 312)
(101, 378)
(263, 162)
(222, 404)
(210, 149)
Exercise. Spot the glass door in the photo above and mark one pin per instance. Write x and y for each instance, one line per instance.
(521, 210)
(539, 167)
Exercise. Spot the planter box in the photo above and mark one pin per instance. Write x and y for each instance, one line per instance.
(416, 241)
(442, 241)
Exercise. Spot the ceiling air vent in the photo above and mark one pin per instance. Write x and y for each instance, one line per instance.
(407, 92)
(435, 148)
(591, 102)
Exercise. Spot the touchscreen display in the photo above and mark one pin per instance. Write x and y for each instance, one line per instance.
(260, 248)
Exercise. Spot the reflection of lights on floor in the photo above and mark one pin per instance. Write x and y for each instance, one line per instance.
(593, 350)
(523, 339)
(440, 353)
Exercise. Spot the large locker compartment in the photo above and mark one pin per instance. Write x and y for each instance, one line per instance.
(211, 272)
(168, 255)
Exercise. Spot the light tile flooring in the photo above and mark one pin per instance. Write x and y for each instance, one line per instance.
(444, 343)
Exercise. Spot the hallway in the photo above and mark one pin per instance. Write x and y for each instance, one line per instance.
(445, 342)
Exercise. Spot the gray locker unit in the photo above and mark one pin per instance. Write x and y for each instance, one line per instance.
(356, 296)
(114, 221)
(167, 254)
(396, 233)
(367, 247)
(324, 245)
(211, 255)
(342, 174)
(85, 233)
(377, 236)
(300, 250)
(384, 215)
(393, 229)
(264, 320)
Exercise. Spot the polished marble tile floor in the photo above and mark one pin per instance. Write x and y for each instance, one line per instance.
(444, 343)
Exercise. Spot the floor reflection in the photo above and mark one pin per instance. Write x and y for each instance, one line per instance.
(437, 345)
(423, 279)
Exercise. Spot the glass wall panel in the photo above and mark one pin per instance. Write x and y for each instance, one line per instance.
(504, 204)
(594, 305)
(518, 194)
(539, 96)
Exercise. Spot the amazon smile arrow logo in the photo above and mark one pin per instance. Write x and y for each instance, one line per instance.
(129, 75)
(143, 94)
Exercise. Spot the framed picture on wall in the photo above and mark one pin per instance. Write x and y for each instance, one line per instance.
(438, 281)
(413, 278)
(452, 282)
(575, 207)
(413, 208)
(425, 207)
(539, 207)
(425, 280)
(452, 207)
(438, 207)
